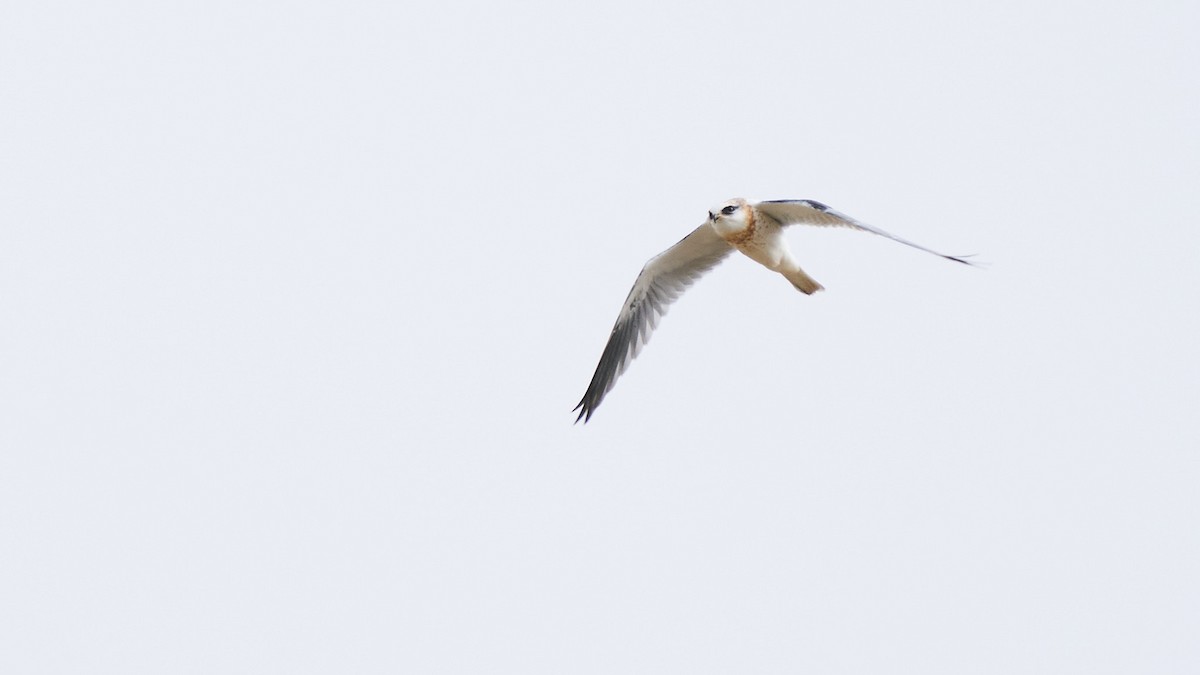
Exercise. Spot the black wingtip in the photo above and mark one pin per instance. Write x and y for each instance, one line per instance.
(585, 414)
(963, 259)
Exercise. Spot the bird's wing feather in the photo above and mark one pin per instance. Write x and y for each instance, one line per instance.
(809, 212)
(664, 278)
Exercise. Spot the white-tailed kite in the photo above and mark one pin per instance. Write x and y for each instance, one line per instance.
(754, 229)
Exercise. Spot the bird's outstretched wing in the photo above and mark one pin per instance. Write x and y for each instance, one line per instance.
(809, 212)
(664, 278)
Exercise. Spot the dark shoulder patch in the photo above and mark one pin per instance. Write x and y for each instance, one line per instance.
(815, 205)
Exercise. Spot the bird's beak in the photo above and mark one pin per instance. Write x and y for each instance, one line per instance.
(712, 216)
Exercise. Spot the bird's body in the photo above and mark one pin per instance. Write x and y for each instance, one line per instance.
(760, 237)
(754, 229)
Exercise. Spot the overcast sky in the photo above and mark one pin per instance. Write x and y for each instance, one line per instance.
(297, 299)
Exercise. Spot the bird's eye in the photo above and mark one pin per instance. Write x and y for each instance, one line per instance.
(728, 210)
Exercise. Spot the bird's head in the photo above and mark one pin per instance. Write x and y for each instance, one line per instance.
(731, 216)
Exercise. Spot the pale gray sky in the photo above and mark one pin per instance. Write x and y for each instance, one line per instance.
(297, 299)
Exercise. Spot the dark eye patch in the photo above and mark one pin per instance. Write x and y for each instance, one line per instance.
(728, 210)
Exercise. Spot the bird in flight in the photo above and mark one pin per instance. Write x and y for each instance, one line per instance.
(755, 229)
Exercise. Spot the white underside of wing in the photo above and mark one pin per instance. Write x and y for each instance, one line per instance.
(809, 212)
(663, 279)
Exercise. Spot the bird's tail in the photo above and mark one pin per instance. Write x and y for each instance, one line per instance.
(804, 283)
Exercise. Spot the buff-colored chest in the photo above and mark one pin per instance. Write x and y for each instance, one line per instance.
(760, 238)
(740, 234)
(756, 228)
